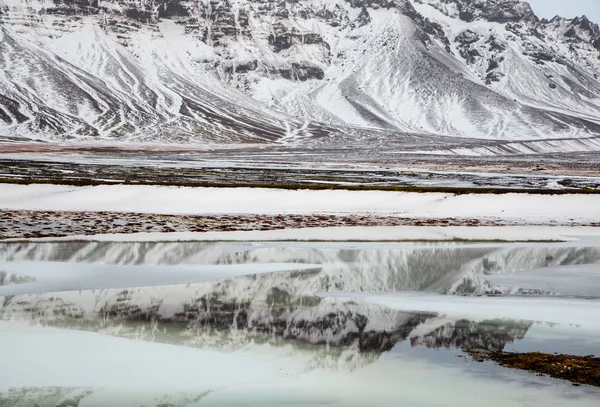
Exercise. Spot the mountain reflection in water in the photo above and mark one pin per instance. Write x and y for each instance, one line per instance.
(278, 312)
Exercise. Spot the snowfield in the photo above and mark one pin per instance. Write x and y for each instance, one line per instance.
(523, 208)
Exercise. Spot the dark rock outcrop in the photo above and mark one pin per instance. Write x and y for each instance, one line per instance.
(302, 71)
(363, 18)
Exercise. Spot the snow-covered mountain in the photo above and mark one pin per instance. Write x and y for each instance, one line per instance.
(292, 71)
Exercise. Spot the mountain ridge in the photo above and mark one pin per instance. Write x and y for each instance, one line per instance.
(335, 71)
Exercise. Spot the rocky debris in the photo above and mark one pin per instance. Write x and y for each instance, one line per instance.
(245, 67)
(492, 77)
(499, 11)
(302, 71)
(427, 30)
(492, 65)
(33, 224)
(466, 41)
(363, 18)
(495, 45)
(335, 17)
(237, 66)
(173, 9)
(582, 27)
(36, 224)
(282, 38)
(579, 30)
(541, 56)
(575, 369)
(467, 37)
(281, 11)
(469, 54)
(376, 4)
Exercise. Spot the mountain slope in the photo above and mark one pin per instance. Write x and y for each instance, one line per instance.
(239, 71)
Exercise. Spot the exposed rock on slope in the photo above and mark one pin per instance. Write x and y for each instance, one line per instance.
(291, 71)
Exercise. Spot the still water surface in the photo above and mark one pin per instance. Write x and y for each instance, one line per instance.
(131, 324)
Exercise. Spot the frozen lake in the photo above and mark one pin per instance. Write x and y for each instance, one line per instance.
(259, 323)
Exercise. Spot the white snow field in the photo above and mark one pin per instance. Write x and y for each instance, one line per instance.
(525, 208)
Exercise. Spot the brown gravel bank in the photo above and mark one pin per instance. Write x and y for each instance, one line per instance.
(575, 369)
(21, 224)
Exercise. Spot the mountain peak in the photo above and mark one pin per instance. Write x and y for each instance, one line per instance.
(499, 11)
(303, 70)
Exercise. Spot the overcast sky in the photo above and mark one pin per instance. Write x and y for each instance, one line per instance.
(567, 8)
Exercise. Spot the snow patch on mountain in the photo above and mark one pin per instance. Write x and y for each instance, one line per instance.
(293, 72)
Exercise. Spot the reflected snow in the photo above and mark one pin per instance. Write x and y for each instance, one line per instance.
(258, 307)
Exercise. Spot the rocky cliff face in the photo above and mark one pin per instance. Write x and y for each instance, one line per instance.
(294, 71)
(497, 11)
